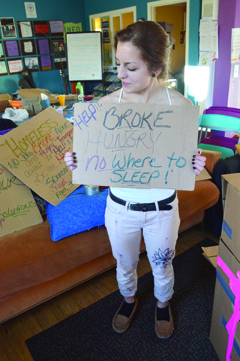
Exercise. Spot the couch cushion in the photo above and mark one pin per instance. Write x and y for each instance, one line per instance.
(204, 196)
(29, 257)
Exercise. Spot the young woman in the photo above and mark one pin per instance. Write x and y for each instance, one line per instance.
(142, 56)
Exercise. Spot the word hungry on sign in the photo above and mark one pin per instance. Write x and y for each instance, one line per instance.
(135, 145)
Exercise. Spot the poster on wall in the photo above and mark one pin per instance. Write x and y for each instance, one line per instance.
(59, 54)
(31, 63)
(15, 66)
(25, 29)
(105, 31)
(8, 29)
(1, 50)
(28, 47)
(235, 45)
(56, 27)
(12, 48)
(71, 28)
(30, 9)
(3, 68)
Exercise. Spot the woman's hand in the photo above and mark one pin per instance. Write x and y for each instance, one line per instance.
(198, 162)
(71, 160)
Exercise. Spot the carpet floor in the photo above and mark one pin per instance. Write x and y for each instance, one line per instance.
(88, 334)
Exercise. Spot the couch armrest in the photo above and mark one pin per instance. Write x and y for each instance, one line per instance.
(212, 158)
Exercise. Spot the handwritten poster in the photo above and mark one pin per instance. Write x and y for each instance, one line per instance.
(56, 27)
(18, 208)
(45, 62)
(12, 48)
(235, 45)
(43, 46)
(15, 66)
(34, 153)
(135, 145)
(26, 29)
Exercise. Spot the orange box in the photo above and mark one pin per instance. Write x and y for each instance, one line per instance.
(16, 104)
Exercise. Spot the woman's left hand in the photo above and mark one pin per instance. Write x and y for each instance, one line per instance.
(198, 162)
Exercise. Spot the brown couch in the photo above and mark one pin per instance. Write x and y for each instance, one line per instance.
(34, 269)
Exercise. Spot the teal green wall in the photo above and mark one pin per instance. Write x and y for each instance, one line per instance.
(71, 11)
(79, 11)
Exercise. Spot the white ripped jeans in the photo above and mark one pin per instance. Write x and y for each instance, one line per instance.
(160, 231)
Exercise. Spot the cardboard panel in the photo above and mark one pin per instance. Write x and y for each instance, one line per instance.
(34, 92)
(231, 218)
(135, 145)
(18, 208)
(4, 101)
(223, 308)
(34, 152)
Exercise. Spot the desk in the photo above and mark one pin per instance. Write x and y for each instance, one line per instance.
(68, 114)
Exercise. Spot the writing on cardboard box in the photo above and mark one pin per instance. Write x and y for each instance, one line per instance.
(34, 152)
(135, 145)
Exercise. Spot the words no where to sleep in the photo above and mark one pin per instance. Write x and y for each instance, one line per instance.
(135, 145)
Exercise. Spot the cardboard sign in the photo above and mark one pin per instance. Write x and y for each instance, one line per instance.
(34, 152)
(18, 208)
(135, 145)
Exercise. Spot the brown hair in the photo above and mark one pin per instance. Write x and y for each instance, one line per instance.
(152, 41)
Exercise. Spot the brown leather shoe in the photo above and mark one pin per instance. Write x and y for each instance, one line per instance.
(121, 323)
(164, 329)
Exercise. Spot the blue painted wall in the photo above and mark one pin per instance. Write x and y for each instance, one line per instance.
(79, 11)
(96, 6)
(71, 11)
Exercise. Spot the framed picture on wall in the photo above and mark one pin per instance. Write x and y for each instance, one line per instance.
(25, 29)
(1, 50)
(15, 66)
(40, 28)
(56, 27)
(3, 68)
(59, 54)
(45, 63)
(31, 63)
(11, 48)
(28, 47)
(43, 46)
(8, 28)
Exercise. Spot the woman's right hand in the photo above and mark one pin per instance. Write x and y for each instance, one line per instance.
(71, 160)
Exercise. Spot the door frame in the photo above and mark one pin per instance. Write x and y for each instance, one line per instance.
(151, 14)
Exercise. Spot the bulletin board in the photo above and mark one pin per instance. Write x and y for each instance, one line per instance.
(84, 56)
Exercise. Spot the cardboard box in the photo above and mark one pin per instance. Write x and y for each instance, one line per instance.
(223, 308)
(211, 254)
(18, 208)
(35, 92)
(231, 216)
(4, 102)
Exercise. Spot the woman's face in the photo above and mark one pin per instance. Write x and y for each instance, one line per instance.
(132, 70)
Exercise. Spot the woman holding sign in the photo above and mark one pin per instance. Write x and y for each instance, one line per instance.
(142, 56)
